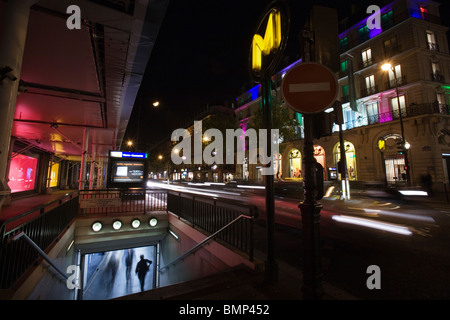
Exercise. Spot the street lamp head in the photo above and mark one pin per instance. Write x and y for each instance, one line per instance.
(130, 143)
(156, 104)
(160, 157)
(385, 67)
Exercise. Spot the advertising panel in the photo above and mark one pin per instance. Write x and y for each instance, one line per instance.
(127, 169)
(22, 173)
(54, 175)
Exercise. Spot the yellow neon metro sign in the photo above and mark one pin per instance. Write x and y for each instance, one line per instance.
(270, 42)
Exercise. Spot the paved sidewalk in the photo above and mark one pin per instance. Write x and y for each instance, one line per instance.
(22, 205)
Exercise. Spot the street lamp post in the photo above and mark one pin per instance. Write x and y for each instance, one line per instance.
(405, 145)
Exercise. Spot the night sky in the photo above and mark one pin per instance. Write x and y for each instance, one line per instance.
(201, 57)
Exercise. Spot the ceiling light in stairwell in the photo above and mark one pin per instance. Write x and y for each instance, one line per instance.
(97, 226)
(174, 234)
(135, 223)
(117, 225)
(153, 222)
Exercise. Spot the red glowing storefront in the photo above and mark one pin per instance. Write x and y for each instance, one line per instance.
(22, 173)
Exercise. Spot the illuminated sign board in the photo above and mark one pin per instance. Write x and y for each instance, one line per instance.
(126, 169)
(123, 154)
(54, 174)
(22, 173)
(269, 40)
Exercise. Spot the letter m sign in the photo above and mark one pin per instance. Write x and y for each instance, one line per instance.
(270, 42)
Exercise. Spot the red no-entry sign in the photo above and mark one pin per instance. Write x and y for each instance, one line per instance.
(309, 88)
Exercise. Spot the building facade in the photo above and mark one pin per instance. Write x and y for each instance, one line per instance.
(413, 93)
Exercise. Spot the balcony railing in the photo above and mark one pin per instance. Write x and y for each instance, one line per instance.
(369, 91)
(400, 81)
(433, 46)
(411, 111)
(437, 77)
(398, 18)
(367, 62)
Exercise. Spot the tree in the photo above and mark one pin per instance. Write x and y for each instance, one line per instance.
(281, 120)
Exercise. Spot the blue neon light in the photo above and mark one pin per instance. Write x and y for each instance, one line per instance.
(124, 154)
(134, 155)
(254, 92)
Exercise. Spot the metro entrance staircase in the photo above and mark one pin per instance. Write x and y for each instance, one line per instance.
(228, 222)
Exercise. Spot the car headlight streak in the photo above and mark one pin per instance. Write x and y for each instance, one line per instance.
(390, 227)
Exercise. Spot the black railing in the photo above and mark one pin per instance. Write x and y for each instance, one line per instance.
(400, 82)
(433, 46)
(122, 201)
(369, 91)
(367, 62)
(42, 226)
(437, 77)
(212, 214)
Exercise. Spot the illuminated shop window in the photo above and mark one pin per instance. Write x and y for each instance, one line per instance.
(54, 174)
(295, 164)
(319, 154)
(350, 156)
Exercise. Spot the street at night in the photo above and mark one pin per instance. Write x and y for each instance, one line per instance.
(250, 150)
(402, 236)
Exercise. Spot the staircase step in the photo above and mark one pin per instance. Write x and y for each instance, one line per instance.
(209, 287)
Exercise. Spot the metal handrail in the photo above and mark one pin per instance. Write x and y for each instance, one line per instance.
(21, 235)
(198, 245)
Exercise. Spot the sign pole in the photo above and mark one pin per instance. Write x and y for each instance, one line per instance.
(271, 264)
(309, 89)
(310, 212)
(268, 44)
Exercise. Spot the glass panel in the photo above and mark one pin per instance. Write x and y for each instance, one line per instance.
(394, 105)
(295, 164)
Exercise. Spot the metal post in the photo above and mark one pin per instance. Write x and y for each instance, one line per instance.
(82, 179)
(49, 176)
(402, 129)
(343, 168)
(100, 173)
(271, 264)
(92, 170)
(78, 279)
(310, 211)
(383, 165)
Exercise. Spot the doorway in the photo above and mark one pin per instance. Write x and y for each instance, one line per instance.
(111, 274)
